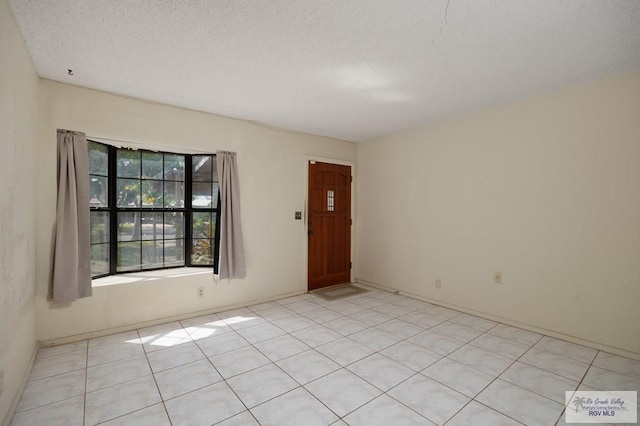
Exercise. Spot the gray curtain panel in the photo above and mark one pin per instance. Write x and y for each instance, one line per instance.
(232, 260)
(72, 252)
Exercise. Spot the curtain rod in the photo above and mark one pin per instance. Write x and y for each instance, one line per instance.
(152, 146)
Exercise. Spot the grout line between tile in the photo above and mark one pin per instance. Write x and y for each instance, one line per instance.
(146, 355)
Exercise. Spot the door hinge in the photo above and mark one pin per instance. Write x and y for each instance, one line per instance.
(350, 265)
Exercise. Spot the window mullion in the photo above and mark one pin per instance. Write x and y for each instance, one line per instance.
(113, 219)
(188, 192)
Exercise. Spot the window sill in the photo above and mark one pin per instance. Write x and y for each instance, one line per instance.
(135, 277)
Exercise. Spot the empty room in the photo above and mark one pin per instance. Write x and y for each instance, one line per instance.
(319, 212)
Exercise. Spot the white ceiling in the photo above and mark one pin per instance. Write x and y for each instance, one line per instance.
(351, 69)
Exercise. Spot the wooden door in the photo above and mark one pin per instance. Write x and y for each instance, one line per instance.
(329, 225)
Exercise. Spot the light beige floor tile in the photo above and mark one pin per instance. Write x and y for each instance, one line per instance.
(294, 323)
(411, 355)
(400, 328)
(600, 378)
(472, 321)
(475, 414)
(539, 381)
(520, 404)
(202, 321)
(480, 359)
(466, 380)
(155, 415)
(277, 313)
(198, 330)
(371, 317)
(346, 325)
(375, 339)
(422, 319)
(257, 386)
(130, 337)
(240, 321)
(174, 356)
(382, 372)
(519, 335)
(308, 366)
(566, 349)
(316, 335)
(164, 336)
(115, 372)
(239, 361)
(558, 364)
(456, 331)
(384, 411)
(218, 344)
(261, 332)
(504, 347)
(52, 389)
(58, 364)
(441, 312)
(345, 307)
(62, 349)
(618, 364)
(281, 347)
(323, 315)
(114, 401)
(294, 408)
(393, 310)
(205, 406)
(102, 354)
(354, 391)
(186, 378)
(243, 419)
(69, 412)
(344, 351)
(429, 398)
(436, 342)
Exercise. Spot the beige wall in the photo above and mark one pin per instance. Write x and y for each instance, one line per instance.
(546, 190)
(18, 134)
(272, 167)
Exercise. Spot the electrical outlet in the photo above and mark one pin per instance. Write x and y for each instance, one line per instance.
(1, 382)
(438, 283)
(200, 291)
(497, 277)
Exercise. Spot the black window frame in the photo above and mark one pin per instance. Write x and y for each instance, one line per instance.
(187, 211)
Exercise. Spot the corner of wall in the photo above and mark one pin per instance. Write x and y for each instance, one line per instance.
(19, 85)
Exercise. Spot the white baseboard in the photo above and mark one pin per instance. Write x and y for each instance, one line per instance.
(529, 327)
(135, 326)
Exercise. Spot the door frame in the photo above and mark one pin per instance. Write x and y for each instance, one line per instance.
(305, 217)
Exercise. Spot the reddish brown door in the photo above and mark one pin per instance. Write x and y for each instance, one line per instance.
(329, 224)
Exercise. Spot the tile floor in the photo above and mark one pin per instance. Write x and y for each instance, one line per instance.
(370, 359)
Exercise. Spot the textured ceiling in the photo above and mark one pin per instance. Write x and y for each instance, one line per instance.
(351, 69)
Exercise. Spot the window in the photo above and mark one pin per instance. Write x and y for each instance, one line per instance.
(151, 210)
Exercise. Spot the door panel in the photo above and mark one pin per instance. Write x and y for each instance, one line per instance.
(329, 224)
